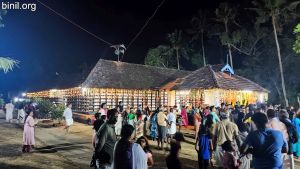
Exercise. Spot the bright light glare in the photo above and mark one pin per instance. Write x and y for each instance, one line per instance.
(16, 99)
(261, 98)
(84, 89)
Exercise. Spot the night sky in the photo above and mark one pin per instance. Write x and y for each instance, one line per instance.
(45, 43)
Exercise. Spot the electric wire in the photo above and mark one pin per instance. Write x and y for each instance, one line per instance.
(146, 23)
(75, 24)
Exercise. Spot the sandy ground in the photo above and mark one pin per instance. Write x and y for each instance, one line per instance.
(11, 156)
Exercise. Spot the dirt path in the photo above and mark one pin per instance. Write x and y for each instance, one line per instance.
(11, 156)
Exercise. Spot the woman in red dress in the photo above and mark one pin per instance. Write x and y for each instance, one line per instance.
(184, 116)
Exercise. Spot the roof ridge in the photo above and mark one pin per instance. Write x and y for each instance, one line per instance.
(164, 68)
(214, 76)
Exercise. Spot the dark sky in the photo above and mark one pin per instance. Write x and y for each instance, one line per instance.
(45, 43)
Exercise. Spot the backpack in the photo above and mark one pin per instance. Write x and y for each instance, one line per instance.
(292, 132)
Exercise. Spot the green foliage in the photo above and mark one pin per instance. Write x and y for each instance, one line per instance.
(165, 55)
(158, 57)
(282, 10)
(199, 25)
(1, 102)
(296, 46)
(45, 107)
(254, 40)
(2, 12)
(57, 111)
(196, 59)
(7, 64)
(225, 12)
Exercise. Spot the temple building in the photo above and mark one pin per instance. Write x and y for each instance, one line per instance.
(135, 84)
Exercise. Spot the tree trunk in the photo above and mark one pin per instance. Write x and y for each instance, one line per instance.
(177, 56)
(228, 45)
(277, 89)
(203, 50)
(279, 59)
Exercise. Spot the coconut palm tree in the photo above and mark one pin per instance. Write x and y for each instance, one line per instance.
(157, 57)
(200, 26)
(7, 64)
(226, 14)
(176, 46)
(277, 11)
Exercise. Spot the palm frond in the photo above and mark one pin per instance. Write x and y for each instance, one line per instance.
(7, 64)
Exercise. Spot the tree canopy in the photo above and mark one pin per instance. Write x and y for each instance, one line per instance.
(6, 64)
(248, 33)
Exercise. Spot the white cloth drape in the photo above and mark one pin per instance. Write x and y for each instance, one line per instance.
(139, 157)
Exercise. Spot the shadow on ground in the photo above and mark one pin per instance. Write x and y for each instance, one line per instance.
(160, 162)
(11, 166)
(60, 147)
(10, 150)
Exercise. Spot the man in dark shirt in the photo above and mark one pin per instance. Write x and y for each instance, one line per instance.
(106, 139)
(234, 114)
(267, 144)
(123, 151)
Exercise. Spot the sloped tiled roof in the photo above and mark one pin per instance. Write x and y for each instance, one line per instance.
(209, 77)
(122, 75)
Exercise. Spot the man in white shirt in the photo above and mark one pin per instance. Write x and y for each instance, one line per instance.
(9, 107)
(68, 117)
(171, 117)
(275, 124)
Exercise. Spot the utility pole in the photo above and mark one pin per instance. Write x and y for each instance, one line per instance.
(120, 48)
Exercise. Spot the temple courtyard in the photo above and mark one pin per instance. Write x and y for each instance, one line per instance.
(54, 149)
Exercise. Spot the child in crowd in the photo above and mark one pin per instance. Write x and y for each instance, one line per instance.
(230, 160)
(204, 144)
(143, 141)
(172, 159)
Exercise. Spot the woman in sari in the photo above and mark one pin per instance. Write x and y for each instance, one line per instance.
(139, 126)
(153, 126)
(197, 122)
(296, 123)
(28, 134)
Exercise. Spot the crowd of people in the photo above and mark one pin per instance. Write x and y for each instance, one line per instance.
(227, 137)
(120, 138)
(242, 137)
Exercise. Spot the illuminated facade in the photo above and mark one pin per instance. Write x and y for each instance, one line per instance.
(134, 85)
